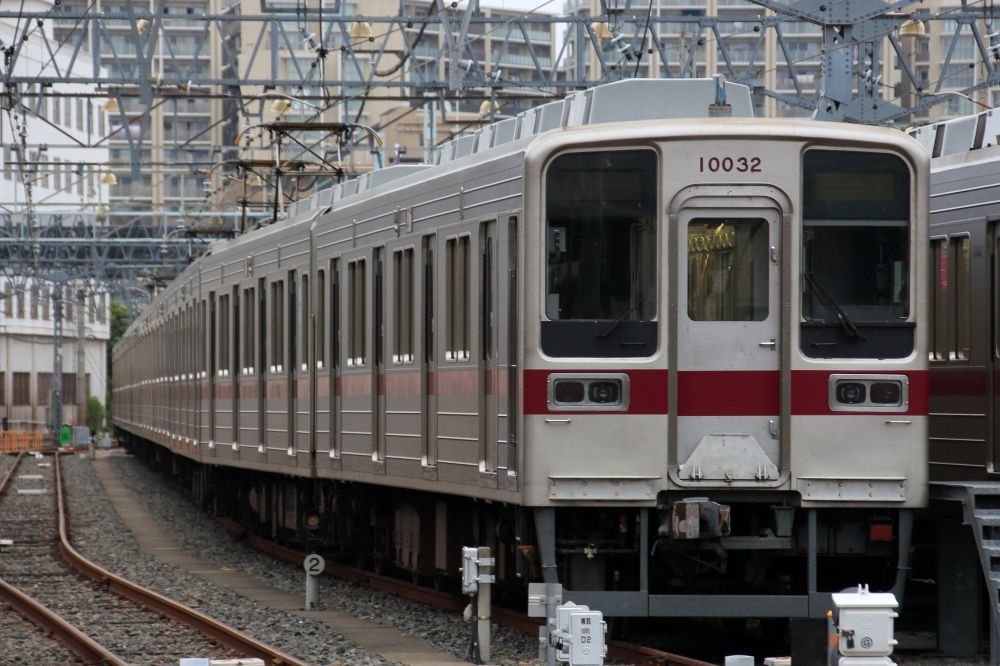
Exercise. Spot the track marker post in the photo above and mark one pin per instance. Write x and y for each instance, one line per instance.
(314, 565)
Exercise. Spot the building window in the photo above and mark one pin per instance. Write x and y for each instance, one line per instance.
(22, 389)
(43, 387)
(69, 388)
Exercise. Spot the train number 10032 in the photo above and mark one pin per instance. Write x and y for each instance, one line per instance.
(729, 164)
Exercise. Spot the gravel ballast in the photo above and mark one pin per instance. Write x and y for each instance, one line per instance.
(99, 533)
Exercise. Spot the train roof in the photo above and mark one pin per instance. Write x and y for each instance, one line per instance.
(959, 136)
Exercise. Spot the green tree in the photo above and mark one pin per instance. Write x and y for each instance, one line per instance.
(95, 414)
(120, 320)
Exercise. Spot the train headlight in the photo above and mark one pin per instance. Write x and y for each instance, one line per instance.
(850, 393)
(869, 393)
(886, 393)
(605, 393)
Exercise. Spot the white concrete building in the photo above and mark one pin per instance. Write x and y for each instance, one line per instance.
(63, 175)
(26, 352)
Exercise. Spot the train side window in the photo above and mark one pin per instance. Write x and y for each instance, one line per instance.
(961, 253)
(305, 309)
(939, 300)
(223, 335)
(203, 347)
(237, 325)
(428, 314)
(600, 254)
(249, 328)
(292, 349)
(855, 278)
(457, 313)
(335, 314)
(728, 269)
(402, 307)
(320, 319)
(277, 325)
(357, 312)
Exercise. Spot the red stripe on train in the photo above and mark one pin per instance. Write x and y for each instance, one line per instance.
(811, 391)
(728, 393)
(647, 390)
(724, 392)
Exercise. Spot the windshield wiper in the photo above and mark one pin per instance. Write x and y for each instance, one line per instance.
(613, 325)
(830, 304)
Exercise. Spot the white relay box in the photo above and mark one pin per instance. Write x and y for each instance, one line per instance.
(865, 623)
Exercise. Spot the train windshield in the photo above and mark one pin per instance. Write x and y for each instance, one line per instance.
(855, 239)
(600, 246)
(601, 236)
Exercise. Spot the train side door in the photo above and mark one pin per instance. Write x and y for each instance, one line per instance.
(727, 362)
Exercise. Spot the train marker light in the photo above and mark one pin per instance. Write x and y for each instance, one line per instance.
(886, 393)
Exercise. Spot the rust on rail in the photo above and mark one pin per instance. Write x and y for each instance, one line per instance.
(218, 631)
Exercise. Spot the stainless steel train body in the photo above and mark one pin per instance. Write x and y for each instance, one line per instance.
(965, 293)
(658, 356)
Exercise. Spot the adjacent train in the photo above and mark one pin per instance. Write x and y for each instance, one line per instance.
(964, 353)
(676, 363)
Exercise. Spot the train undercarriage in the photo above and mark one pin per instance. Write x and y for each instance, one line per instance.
(689, 557)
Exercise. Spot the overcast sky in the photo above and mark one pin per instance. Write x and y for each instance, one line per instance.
(543, 6)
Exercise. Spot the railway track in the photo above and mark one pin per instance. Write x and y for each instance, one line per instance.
(618, 650)
(73, 599)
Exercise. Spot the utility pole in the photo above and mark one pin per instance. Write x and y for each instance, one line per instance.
(81, 365)
(55, 402)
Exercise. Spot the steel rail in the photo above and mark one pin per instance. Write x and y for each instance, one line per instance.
(618, 650)
(77, 642)
(10, 473)
(217, 631)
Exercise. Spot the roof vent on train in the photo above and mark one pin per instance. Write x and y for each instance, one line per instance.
(647, 99)
(960, 135)
(380, 177)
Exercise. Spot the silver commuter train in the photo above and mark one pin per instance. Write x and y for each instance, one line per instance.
(677, 364)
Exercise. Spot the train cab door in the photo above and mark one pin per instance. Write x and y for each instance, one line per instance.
(725, 392)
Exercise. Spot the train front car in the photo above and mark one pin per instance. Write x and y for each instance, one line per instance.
(725, 363)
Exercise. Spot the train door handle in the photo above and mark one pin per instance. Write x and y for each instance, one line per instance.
(771, 344)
